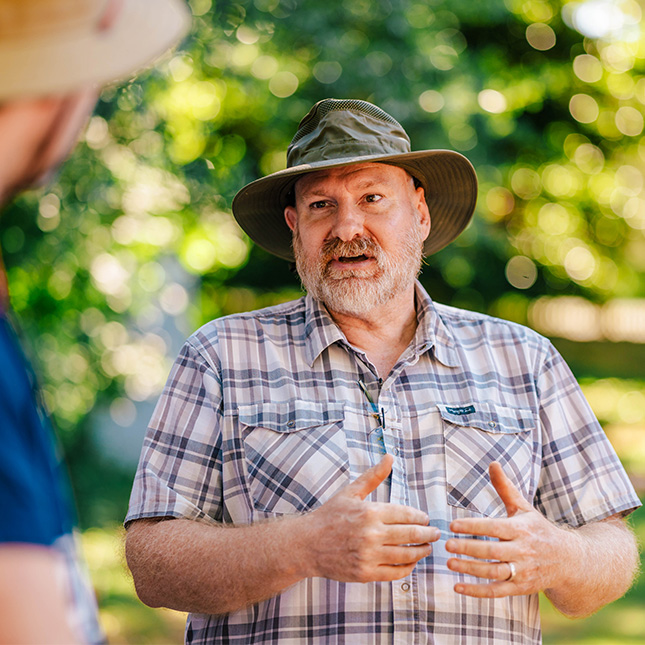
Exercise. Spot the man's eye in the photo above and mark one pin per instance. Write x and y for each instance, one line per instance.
(318, 205)
(373, 198)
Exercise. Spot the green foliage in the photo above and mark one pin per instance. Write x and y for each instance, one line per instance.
(551, 120)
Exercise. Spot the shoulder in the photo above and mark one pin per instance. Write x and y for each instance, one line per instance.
(467, 326)
(270, 324)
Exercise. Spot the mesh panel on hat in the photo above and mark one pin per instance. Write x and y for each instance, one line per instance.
(310, 122)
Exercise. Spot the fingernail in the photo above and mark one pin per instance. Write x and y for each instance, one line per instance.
(450, 545)
(459, 588)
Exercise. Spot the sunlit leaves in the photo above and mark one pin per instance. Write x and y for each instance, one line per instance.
(138, 230)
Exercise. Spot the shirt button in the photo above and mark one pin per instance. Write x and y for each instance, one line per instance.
(291, 423)
(405, 586)
(396, 452)
(492, 424)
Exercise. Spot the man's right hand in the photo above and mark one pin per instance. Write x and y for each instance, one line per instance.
(352, 540)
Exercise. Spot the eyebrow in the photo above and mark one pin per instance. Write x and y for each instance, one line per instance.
(361, 184)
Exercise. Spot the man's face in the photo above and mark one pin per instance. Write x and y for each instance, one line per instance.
(40, 133)
(358, 235)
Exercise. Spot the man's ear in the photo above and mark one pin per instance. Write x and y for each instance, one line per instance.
(290, 215)
(424, 211)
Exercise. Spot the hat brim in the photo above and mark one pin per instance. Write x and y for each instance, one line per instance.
(143, 30)
(448, 178)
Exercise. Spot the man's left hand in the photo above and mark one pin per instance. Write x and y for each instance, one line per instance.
(525, 538)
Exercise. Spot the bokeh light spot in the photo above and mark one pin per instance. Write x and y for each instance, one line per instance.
(431, 101)
(327, 72)
(521, 272)
(629, 121)
(583, 108)
(283, 84)
(579, 263)
(587, 68)
(500, 202)
(540, 36)
(492, 101)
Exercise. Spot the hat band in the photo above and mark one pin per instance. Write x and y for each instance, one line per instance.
(349, 149)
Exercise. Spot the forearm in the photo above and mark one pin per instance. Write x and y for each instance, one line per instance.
(190, 566)
(211, 569)
(33, 596)
(601, 561)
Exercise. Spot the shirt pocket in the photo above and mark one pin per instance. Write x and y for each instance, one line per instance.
(295, 453)
(476, 435)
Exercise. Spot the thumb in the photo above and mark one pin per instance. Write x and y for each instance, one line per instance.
(369, 481)
(511, 496)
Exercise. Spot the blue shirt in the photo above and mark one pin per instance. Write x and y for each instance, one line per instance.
(35, 498)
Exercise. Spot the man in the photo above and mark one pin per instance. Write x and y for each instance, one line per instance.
(363, 465)
(54, 56)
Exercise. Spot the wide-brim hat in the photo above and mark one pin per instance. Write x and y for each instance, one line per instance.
(341, 132)
(56, 46)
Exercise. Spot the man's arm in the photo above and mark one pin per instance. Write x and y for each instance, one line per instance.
(580, 570)
(34, 599)
(190, 566)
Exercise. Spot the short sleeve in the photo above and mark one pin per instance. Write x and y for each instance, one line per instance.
(180, 470)
(35, 502)
(582, 479)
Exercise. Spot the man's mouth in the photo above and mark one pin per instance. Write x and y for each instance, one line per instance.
(352, 258)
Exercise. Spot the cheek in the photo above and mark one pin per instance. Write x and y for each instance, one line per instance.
(312, 236)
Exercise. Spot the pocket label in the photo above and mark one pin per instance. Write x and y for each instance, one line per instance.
(468, 409)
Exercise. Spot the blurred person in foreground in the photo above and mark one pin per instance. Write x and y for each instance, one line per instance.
(54, 55)
(364, 465)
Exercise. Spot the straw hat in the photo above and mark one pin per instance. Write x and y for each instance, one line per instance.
(338, 133)
(55, 46)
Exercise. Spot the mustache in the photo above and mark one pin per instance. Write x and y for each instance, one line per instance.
(356, 246)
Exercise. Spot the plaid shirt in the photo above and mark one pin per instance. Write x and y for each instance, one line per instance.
(262, 417)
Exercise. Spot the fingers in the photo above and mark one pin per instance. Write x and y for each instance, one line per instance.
(481, 549)
(399, 514)
(404, 555)
(511, 496)
(370, 480)
(499, 571)
(488, 590)
(409, 534)
(500, 529)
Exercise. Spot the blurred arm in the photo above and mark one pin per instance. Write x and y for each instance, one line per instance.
(34, 599)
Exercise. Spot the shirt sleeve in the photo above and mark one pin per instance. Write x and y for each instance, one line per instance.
(34, 498)
(582, 479)
(180, 469)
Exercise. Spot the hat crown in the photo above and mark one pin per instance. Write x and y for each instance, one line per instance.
(28, 19)
(345, 129)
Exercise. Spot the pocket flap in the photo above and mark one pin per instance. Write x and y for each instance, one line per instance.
(489, 417)
(290, 416)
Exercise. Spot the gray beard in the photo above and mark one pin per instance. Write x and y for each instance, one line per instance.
(357, 293)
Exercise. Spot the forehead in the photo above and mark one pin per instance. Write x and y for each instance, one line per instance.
(356, 175)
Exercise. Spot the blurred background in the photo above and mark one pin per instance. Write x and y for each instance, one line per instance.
(134, 246)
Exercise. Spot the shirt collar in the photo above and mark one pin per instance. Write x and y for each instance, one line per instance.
(321, 331)
(432, 333)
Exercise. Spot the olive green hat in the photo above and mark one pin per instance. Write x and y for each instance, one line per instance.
(338, 133)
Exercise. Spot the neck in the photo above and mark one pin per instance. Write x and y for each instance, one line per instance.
(383, 333)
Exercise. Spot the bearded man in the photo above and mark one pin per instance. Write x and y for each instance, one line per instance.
(364, 465)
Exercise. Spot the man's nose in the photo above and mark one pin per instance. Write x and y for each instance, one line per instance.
(348, 223)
